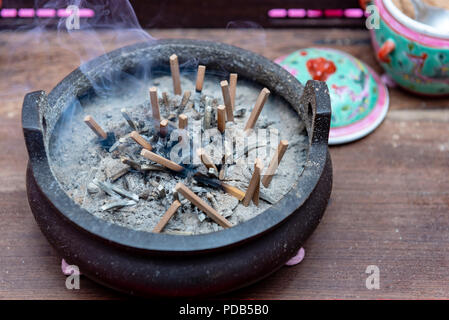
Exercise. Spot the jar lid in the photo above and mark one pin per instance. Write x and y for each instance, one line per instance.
(359, 98)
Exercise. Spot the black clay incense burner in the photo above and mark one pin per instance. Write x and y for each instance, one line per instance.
(157, 262)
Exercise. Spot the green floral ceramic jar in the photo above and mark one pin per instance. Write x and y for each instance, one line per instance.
(415, 55)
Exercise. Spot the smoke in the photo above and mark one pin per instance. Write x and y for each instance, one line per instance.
(110, 17)
(76, 39)
(251, 36)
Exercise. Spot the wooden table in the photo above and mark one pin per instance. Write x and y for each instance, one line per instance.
(389, 205)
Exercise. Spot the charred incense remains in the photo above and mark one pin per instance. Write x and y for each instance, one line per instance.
(217, 184)
(128, 119)
(165, 99)
(149, 174)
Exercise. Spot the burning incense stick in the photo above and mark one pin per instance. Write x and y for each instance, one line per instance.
(174, 68)
(167, 216)
(155, 104)
(221, 118)
(161, 160)
(140, 140)
(232, 88)
(206, 160)
(254, 184)
(274, 163)
(200, 78)
(128, 119)
(227, 100)
(202, 205)
(95, 127)
(163, 128)
(260, 102)
(183, 121)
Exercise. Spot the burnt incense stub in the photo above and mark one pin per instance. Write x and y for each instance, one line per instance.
(141, 198)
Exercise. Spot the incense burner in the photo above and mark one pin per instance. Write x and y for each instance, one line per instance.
(152, 264)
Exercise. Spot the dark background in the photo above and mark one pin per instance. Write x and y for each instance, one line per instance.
(204, 14)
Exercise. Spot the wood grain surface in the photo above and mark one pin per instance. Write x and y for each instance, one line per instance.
(389, 205)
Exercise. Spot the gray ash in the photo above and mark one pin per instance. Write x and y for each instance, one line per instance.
(78, 161)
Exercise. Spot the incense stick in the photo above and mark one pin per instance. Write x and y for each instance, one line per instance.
(254, 183)
(274, 163)
(95, 127)
(221, 118)
(232, 88)
(256, 194)
(233, 191)
(174, 68)
(163, 128)
(217, 184)
(161, 160)
(185, 98)
(206, 160)
(154, 104)
(260, 102)
(140, 140)
(200, 78)
(202, 205)
(227, 100)
(165, 99)
(167, 216)
(182, 125)
(183, 121)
